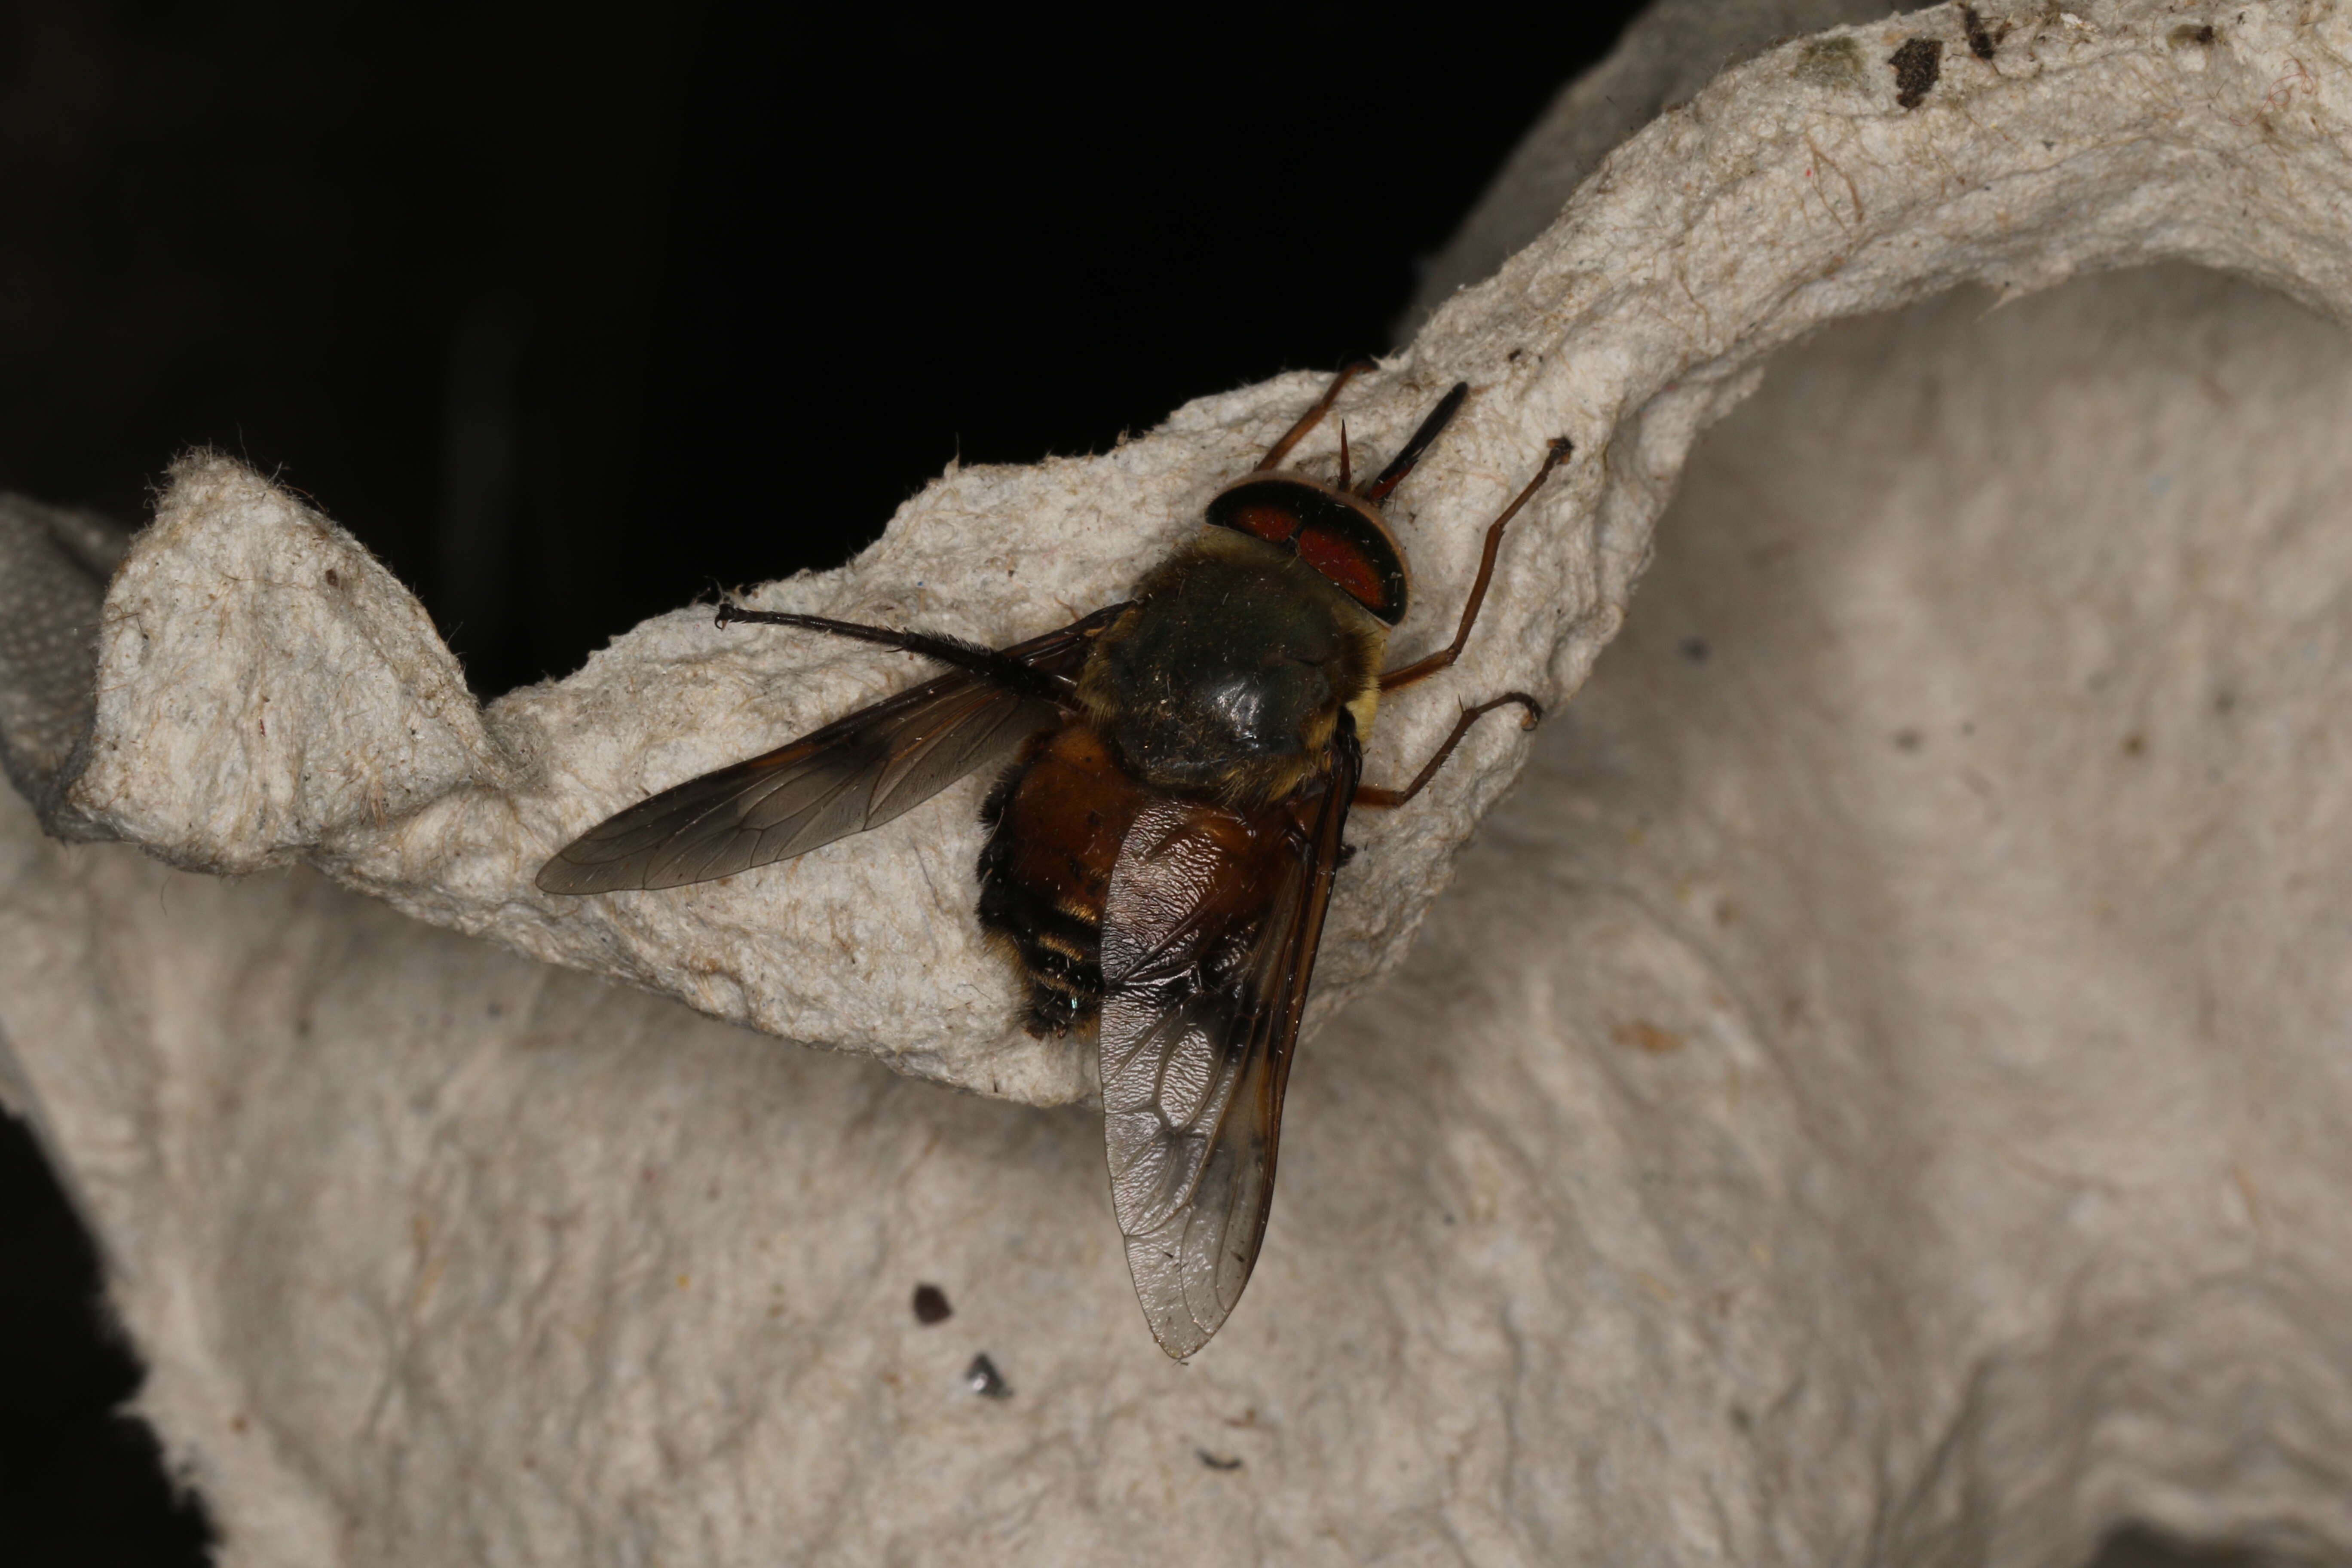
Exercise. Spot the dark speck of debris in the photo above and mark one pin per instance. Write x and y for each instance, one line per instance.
(1981, 42)
(982, 1378)
(1917, 64)
(333, 580)
(931, 1305)
(2185, 35)
(2134, 744)
(1214, 1463)
(1515, 354)
(1908, 740)
(2224, 701)
(1696, 649)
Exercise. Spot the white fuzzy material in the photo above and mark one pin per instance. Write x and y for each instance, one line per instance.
(1792, 192)
(1878, 1094)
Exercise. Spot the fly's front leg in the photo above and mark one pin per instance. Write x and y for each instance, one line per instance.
(1423, 668)
(1373, 795)
(1312, 417)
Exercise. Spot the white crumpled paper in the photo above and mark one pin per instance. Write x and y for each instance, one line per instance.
(1876, 1095)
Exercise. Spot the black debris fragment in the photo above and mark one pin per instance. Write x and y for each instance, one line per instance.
(931, 1305)
(1918, 64)
(982, 1378)
(1981, 43)
(1216, 1462)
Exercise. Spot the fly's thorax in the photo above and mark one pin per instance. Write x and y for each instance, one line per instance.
(1228, 677)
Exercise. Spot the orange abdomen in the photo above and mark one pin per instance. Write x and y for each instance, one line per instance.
(1058, 816)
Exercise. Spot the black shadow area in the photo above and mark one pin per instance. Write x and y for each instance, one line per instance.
(80, 1486)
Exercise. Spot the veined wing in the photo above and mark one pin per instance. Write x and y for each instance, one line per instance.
(1209, 934)
(855, 774)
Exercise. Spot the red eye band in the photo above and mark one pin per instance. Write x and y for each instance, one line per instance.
(1275, 525)
(1339, 536)
(1342, 560)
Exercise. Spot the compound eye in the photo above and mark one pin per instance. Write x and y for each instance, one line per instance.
(1343, 559)
(1335, 534)
(1273, 523)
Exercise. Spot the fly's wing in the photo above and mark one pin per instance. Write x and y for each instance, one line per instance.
(855, 774)
(1209, 934)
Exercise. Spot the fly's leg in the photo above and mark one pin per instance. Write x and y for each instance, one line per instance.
(944, 649)
(998, 669)
(1374, 795)
(1312, 417)
(1423, 668)
(1376, 488)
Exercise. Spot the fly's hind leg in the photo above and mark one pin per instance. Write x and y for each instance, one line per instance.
(1374, 795)
(993, 665)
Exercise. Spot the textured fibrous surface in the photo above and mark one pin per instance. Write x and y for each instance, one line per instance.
(267, 693)
(1878, 1094)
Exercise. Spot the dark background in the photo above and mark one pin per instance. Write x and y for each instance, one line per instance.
(677, 297)
(698, 293)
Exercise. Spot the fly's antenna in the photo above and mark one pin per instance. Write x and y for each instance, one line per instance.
(1376, 490)
(1312, 417)
(1343, 453)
